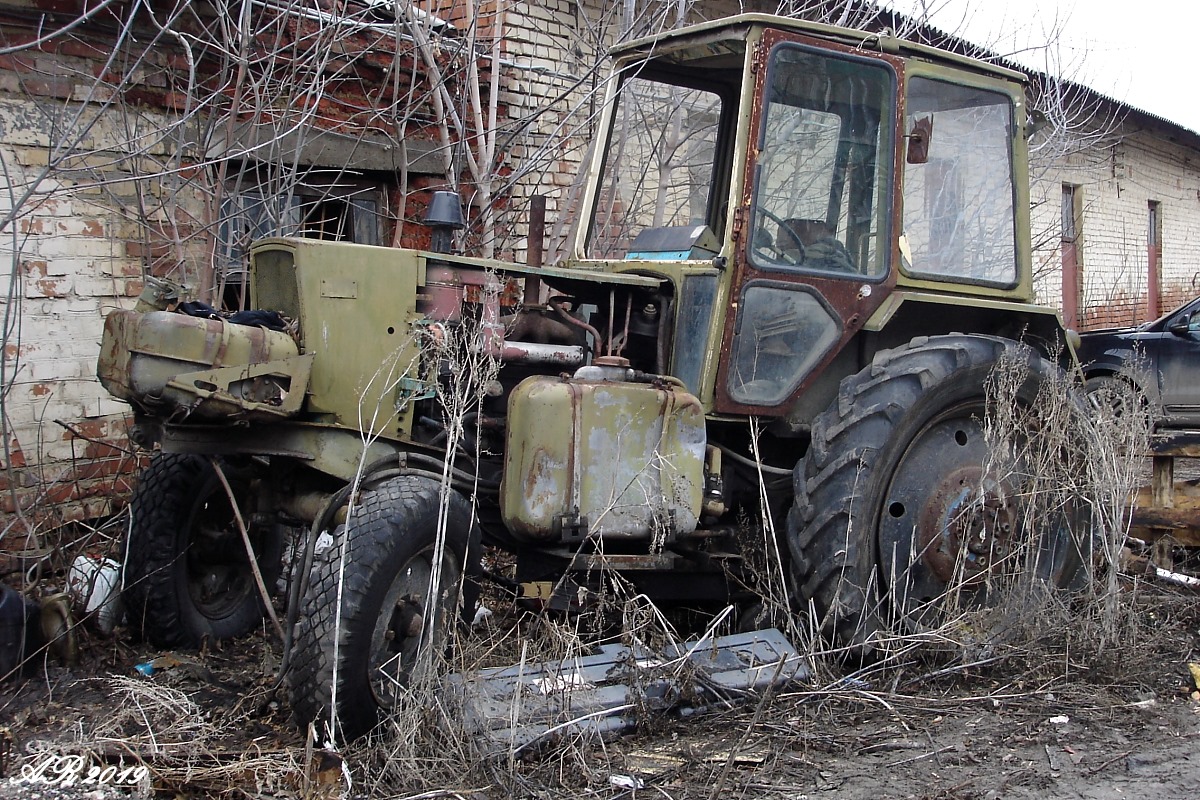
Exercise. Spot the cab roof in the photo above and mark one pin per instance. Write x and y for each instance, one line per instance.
(738, 25)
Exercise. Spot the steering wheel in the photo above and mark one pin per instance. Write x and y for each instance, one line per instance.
(775, 252)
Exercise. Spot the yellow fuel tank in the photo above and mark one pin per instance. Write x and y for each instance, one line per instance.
(603, 458)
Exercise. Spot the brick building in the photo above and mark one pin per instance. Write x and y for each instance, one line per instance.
(1117, 223)
(159, 140)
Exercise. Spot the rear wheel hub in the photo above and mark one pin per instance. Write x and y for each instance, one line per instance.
(965, 527)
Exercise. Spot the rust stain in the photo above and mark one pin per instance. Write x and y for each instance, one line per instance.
(534, 476)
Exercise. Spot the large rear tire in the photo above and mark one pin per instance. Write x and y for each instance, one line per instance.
(894, 508)
(370, 650)
(187, 577)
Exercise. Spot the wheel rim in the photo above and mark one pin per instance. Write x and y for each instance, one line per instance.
(948, 529)
(944, 525)
(402, 633)
(218, 576)
(1118, 399)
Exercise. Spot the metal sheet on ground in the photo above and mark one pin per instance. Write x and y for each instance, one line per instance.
(513, 708)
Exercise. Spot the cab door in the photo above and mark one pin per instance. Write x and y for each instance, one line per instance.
(1179, 362)
(816, 226)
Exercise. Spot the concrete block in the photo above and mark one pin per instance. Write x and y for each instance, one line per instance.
(92, 93)
(105, 406)
(62, 451)
(66, 246)
(80, 394)
(57, 206)
(98, 287)
(33, 156)
(80, 305)
(22, 123)
(48, 287)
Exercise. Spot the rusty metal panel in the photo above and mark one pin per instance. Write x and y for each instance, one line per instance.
(142, 354)
(512, 708)
(267, 390)
(602, 458)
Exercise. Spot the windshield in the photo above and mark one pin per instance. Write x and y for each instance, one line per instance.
(823, 165)
(659, 165)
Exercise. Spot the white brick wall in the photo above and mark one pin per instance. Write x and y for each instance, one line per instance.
(72, 264)
(1117, 181)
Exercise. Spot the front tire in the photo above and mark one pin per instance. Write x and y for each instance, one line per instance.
(371, 650)
(187, 577)
(894, 506)
(1119, 398)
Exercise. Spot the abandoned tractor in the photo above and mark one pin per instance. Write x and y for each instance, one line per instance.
(804, 250)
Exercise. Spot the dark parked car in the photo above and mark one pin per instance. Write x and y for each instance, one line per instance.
(1160, 359)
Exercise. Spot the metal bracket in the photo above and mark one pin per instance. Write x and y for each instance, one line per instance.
(213, 386)
(572, 528)
(410, 390)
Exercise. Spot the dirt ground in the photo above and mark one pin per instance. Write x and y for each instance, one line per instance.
(1050, 718)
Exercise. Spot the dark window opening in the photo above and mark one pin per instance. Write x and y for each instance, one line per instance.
(315, 205)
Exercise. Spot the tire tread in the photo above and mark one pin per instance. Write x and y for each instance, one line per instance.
(831, 541)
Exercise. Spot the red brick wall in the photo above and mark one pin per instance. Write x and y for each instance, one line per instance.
(119, 205)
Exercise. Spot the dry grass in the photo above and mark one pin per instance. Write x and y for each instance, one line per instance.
(766, 749)
(183, 745)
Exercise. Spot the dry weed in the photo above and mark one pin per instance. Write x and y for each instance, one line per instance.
(181, 745)
(1070, 467)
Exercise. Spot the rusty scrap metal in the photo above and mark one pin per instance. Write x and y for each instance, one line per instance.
(510, 709)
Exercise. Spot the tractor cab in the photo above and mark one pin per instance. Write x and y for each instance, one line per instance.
(789, 180)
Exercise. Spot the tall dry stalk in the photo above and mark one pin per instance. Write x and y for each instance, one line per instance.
(1077, 463)
(1036, 543)
(458, 365)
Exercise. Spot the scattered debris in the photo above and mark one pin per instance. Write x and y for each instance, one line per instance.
(29, 627)
(626, 782)
(58, 628)
(165, 661)
(512, 708)
(1177, 578)
(94, 584)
